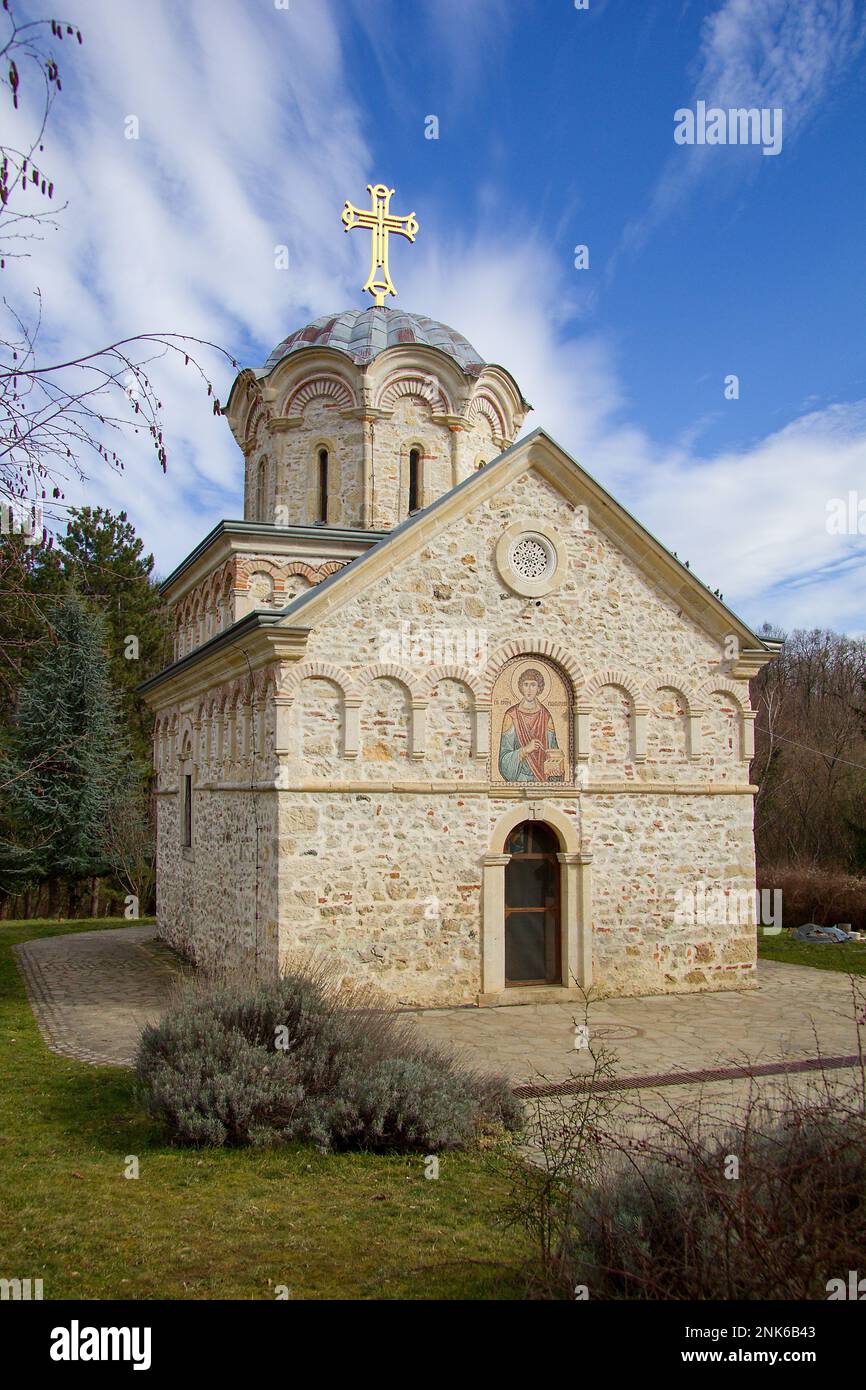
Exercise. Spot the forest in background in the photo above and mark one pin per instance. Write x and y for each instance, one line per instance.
(82, 623)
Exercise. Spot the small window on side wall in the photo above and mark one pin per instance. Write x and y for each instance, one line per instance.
(414, 480)
(262, 491)
(322, 512)
(187, 811)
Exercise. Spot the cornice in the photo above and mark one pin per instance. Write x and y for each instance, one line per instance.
(231, 537)
(255, 641)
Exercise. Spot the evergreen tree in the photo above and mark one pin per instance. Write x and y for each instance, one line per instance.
(30, 581)
(104, 559)
(66, 757)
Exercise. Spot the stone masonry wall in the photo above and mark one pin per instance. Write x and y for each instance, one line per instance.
(389, 887)
(376, 857)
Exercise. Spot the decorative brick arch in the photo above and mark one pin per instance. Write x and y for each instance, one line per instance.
(236, 691)
(267, 681)
(389, 670)
(314, 573)
(258, 417)
(720, 686)
(484, 405)
(323, 671)
(479, 714)
(669, 680)
(612, 676)
(463, 674)
(425, 388)
(259, 684)
(224, 577)
(302, 570)
(419, 696)
(541, 647)
(745, 714)
(286, 691)
(186, 738)
(329, 388)
(223, 700)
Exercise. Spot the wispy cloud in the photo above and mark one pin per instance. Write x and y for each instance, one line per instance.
(251, 135)
(756, 53)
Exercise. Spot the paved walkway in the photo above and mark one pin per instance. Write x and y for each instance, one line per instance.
(92, 992)
(795, 1013)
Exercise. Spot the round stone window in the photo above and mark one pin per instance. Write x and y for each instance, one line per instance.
(532, 557)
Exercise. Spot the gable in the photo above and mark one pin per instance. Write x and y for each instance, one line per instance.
(448, 600)
(538, 477)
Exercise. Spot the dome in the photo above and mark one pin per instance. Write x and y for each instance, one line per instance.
(363, 333)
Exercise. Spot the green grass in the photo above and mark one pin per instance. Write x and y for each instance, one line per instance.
(847, 956)
(217, 1223)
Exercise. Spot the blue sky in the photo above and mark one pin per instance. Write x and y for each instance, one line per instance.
(555, 129)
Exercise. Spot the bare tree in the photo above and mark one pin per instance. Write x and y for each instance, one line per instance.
(56, 415)
(811, 753)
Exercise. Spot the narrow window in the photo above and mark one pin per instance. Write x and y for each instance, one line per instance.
(262, 492)
(187, 811)
(323, 485)
(414, 479)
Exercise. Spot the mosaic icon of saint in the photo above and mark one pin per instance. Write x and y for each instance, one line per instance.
(528, 737)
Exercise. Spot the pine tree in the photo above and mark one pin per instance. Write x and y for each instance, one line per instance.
(67, 755)
(104, 559)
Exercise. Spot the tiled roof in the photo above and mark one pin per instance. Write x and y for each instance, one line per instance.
(363, 333)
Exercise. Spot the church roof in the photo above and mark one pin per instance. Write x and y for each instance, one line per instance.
(363, 333)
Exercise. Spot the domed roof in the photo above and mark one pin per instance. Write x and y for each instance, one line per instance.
(363, 333)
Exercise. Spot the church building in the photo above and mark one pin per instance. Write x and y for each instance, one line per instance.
(440, 708)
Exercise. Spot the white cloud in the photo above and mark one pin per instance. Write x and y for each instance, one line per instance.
(248, 140)
(251, 136)
(756, 53)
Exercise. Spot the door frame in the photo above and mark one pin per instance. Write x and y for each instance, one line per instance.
(557, 907)
(575, 860)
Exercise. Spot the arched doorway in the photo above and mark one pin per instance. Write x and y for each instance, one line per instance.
(533, 926)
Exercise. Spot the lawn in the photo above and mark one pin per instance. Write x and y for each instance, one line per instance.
(217, 1223)
(847, 956)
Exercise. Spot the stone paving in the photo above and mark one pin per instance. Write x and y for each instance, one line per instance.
(92, 992)
(662, 1034)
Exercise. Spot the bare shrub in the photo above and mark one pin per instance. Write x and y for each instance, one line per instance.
(692, 1201)
(812, 894)
(669, 1221)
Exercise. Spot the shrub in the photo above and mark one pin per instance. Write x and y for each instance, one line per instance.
(211, 1085)
(669, 1223)
(811, 894)
(247, 1062)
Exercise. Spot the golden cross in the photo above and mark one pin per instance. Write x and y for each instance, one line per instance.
(381, 222)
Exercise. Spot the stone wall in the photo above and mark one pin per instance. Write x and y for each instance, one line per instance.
(217, 902)
(374, 806)
(389, 886)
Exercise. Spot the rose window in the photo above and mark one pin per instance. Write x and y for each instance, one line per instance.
(532, 557)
